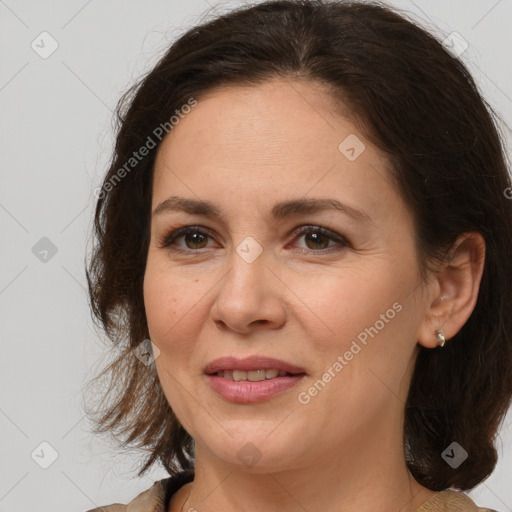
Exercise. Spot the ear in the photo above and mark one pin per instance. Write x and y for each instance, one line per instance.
(454, 289)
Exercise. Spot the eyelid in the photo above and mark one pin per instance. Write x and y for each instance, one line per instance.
(170, 236)
(311, 228)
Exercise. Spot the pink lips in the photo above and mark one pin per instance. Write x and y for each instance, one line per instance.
(250, 392)
(250, 363)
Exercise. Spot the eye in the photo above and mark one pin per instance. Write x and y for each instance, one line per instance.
(194, 238)
(317, 238)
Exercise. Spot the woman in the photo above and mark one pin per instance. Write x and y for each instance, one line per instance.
(307, 215)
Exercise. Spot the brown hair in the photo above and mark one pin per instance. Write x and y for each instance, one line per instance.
(420, 105)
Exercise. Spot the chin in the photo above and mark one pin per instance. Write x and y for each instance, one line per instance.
(252, 449)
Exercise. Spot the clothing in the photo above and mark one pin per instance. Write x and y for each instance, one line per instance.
(158, 497)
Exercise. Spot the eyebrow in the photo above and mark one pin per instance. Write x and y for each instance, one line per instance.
(279, 211)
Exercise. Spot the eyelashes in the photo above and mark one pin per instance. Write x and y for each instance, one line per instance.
(173, 235)
(198, 237)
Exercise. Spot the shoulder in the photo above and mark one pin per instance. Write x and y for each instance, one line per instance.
(451, 501)
(150, 500)
(154, 499)
(147, 500)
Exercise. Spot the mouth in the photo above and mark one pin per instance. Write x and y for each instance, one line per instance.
(252, 379)
(254, 375)
(253, 368)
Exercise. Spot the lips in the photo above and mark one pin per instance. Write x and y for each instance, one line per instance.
(239, 381)
(251, 363)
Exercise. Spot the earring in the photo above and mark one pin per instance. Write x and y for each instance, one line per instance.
(440, 339)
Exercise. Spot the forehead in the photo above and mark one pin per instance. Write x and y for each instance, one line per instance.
(281, 134)
(280, 119)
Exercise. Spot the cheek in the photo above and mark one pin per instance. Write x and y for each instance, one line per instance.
(177, 304)
(361, 328)
(169, 308)
(160, 303)
(341, 304)
(167, 299)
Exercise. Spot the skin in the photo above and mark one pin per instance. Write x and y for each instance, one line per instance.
(303, 300)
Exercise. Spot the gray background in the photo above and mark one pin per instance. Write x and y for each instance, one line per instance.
(55, 142)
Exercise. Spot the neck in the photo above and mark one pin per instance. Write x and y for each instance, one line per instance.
(367, 477)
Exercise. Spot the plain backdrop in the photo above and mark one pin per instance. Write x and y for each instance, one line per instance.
(63, 66)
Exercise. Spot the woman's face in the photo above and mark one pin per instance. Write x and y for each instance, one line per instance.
(343, 307)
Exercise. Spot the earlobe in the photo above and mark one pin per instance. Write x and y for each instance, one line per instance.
(441, 340)
(454, 291)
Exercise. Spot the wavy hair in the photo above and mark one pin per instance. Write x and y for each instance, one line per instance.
(419, 104)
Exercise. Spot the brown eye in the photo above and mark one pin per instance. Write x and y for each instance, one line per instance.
(316, 240)
(195, 240)
(185, 239)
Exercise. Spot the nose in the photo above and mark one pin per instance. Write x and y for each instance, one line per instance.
(249, 298)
